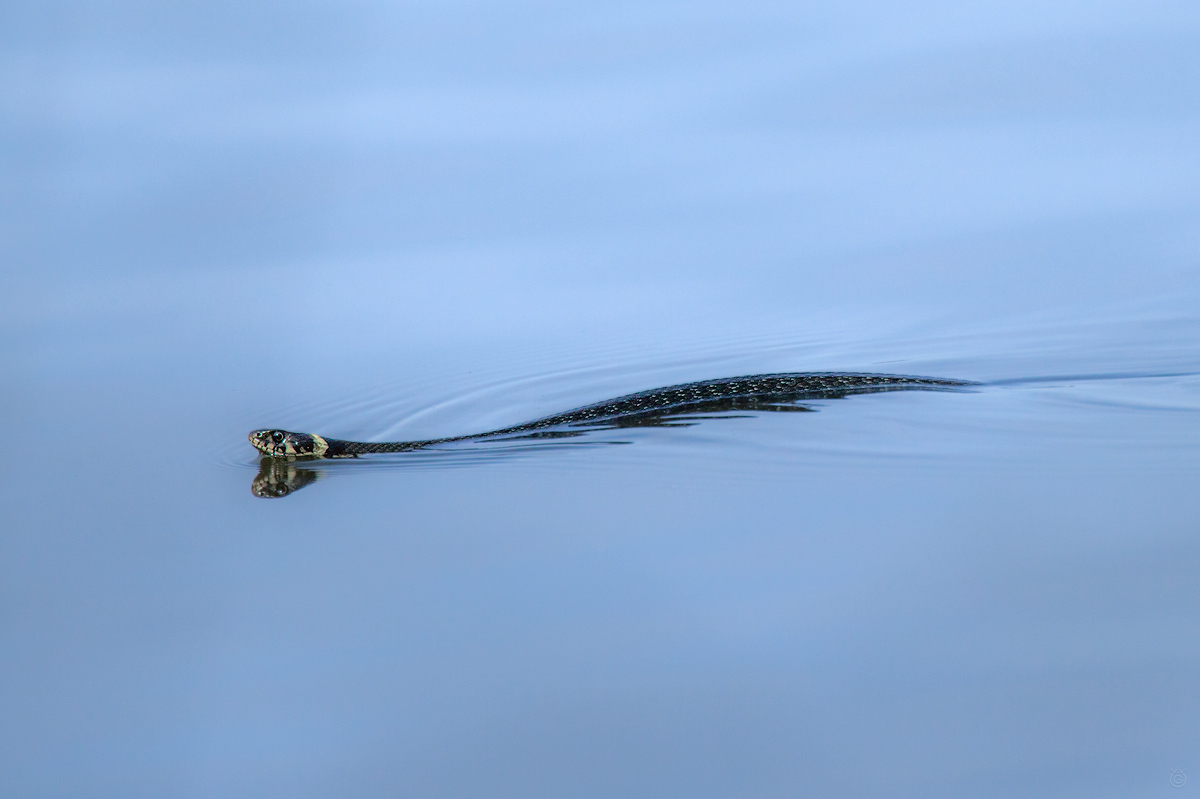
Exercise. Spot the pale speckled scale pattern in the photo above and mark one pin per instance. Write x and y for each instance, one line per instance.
(769, 392)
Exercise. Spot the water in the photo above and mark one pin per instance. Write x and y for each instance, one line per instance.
(391, 222)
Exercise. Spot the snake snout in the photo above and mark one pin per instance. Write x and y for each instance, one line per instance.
(268, 442)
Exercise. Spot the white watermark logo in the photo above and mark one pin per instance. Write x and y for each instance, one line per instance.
(1178, 778)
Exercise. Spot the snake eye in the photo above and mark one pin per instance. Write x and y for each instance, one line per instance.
(277, 437)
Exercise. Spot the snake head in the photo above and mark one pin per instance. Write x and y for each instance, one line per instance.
(282, 444)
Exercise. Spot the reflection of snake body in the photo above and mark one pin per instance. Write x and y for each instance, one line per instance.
(672, 405)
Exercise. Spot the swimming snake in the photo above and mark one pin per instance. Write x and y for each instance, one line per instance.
(668, 406)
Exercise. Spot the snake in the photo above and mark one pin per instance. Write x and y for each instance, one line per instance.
(676, 405)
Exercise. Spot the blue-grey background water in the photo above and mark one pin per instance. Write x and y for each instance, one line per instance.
(398, 220)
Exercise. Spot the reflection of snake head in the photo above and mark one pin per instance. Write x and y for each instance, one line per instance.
(282, 444)
(278, 478)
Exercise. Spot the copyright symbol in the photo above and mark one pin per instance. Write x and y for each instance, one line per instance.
(1178, 778)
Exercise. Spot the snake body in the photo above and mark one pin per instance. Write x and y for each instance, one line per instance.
(670, 405)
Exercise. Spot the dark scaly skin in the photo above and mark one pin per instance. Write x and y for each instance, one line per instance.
(656, 407)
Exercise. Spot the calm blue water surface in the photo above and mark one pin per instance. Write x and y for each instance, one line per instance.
(398, 221)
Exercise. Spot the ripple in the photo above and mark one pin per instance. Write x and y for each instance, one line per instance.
(1040, 358)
